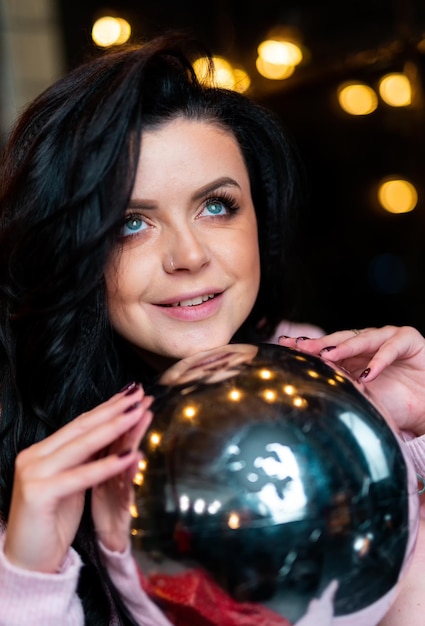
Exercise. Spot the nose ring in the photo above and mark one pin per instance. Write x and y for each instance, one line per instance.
(173, 267)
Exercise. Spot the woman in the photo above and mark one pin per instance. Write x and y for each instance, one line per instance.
(144, 217)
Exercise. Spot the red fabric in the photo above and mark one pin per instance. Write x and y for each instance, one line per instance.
(194, 598)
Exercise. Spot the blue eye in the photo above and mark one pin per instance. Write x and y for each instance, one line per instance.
(215, 207)
(133, 224)
(221, 205)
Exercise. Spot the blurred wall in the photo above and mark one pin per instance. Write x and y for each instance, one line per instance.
(32, 54)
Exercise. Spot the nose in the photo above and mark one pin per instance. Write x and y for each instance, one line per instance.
(185, 250)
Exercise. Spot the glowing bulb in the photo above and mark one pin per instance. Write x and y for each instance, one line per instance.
(138, 479)
(395, 90)
(357, 99)
(189, 411)
(235, 395)
(265, 374)
(234, 521)
(397, 196)
(110, 31)
(269, 395)
(273, 71)
(222, 74)
(313, 374)
(155, 439)
(242, 81)
(279, 52)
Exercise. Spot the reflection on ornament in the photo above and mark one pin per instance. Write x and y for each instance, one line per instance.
(274, 480)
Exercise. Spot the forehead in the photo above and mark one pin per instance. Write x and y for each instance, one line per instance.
(188, 151)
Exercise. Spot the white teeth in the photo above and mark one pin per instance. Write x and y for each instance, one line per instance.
(194, 301)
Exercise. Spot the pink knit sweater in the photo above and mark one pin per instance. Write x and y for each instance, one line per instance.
(51, 600)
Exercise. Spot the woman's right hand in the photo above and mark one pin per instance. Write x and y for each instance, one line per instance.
(52, 476)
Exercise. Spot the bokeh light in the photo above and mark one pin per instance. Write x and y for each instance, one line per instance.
(280, 52)
(273, 71)
(221, 74)
(110, 31)
(397, 195)
(357, 98)
(395, 89)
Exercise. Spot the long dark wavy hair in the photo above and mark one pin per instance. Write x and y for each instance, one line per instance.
(66, 179)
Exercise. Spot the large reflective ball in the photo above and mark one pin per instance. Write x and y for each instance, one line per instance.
(271, 486)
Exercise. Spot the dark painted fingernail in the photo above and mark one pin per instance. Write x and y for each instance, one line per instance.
(365, 373)
(132, 389)
(128, 387)
(132, 407)
(301, 339)
(125, 452)
(327, 349)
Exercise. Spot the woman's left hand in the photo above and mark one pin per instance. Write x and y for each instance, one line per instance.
(111, 500)
(389, 360)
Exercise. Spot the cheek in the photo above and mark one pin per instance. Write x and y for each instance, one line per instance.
(118, 282)
(251, 252)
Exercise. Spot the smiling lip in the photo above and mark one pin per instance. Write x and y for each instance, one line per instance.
(193, 308)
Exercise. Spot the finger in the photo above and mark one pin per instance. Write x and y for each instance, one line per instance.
(346, 344)
(89, 421)
(404, 344)
(83, 477)
(380, 348)
(131, 439)
(80, 448)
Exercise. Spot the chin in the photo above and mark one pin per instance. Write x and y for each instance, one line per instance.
(201, 345)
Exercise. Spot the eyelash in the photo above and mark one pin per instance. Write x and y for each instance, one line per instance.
(224, 198)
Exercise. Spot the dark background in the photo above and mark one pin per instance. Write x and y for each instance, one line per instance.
(365, 267)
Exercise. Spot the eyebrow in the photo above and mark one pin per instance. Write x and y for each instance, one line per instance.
(223, 181)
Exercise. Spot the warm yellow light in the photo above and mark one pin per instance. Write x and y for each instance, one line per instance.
(242, 81)
(138, 479)
(202, 70)
(265, 374)
(397, 196)
(125, 31)
(269, 395)
(280, 52)
(222, 76)
(357, 99)
(189, 411)
(223, 72)
(273, 71)
(235, 395)
(155, 439)
(234, 521)
(110, 31)
(395, 89)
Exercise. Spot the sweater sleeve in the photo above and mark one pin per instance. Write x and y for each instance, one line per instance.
(123, 572)
(416, 448)
(39, 599)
